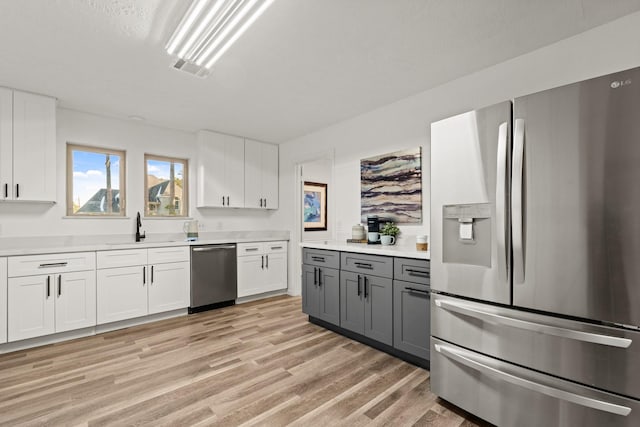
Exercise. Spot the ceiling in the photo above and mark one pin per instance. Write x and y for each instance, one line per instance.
(305, 64)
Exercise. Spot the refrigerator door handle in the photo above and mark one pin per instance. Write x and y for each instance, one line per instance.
(467, 358)
(517, 179)
(557, 331)
(501, 195)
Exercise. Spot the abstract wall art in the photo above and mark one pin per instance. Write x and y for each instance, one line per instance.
(315, 206)
(391, 186)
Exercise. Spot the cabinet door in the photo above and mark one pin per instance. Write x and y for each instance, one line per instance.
(251, 275)
(122, 293)
(234, 173)
(270, 175)
(34, 147)
(253, 174)
(75, 300)
(275, 277)
(169, 286)
(329, 295)
(310, 293)
(6, 143)
(211, 165)
(352, 301)
(3, 300)
(411, 320)
(31, 307)
(378, 313)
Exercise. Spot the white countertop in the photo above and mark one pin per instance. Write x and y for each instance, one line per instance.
(404, 251)
(56, 244)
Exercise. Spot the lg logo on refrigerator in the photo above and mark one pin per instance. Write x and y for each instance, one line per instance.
(616, 84)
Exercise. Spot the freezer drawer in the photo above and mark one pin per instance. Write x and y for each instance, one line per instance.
(509, 395)
(603, 357)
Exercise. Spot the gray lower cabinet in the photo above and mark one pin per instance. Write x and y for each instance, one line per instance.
(321, 293)
(366, 305)
(411, 320)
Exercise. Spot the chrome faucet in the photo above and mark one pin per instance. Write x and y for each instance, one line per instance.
(139, 236)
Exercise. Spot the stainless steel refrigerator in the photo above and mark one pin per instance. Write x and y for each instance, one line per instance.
(535, 257)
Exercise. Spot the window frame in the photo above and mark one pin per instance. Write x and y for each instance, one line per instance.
(185, 184)
(71, 146)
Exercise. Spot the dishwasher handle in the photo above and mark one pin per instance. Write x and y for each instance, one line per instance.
(212, 248)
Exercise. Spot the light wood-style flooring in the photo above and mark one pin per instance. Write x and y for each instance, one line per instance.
(259, 363)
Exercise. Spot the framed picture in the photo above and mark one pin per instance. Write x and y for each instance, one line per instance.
(315, 206)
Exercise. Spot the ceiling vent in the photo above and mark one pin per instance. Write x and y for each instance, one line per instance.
(191, 68)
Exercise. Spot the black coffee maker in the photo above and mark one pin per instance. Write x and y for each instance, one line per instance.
(373, 226)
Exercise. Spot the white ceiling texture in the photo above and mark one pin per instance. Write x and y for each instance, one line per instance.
(304, 65)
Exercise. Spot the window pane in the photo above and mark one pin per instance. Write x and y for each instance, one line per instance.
(96, 183)
(166, 187)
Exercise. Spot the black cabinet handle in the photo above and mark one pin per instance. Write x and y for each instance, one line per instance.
(364, 265)
(17, 190)
(152, 274)
(144, 275)
(6, 190)
(227, 200)
(315, 275)
(222, 200)
(366, 281)
(359, 291)
(260, 202)
(416, 290)
(48, 286)
(53, 264)
(419, 273)
(59, 284)
(265, 203)
(262, 266)
(266, 264)
(318, 258)
(319, 276)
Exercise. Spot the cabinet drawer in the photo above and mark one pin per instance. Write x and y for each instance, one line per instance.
(121, 258)
(412, 270)
(168, 254)
(246, 249)
(275, 247)
(374, 265)
(31, 265)
(321, 258)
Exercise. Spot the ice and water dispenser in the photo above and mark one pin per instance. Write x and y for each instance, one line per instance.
(466, 233)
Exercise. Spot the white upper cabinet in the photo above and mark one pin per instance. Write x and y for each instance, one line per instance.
(220, 170)
(261, 175)
(27, 146)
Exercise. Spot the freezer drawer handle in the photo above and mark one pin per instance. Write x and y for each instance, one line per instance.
(459, 356)
(535, 327)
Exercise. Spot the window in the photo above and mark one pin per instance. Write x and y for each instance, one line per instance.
(165, 183)
(95, 181)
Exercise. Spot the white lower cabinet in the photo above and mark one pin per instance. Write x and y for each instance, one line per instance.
(169, 286)
(42, 304)
(3, 300)
(262, 267)
(138, 282)
(122, 293)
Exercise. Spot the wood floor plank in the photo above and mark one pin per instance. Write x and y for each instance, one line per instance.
(259, 363)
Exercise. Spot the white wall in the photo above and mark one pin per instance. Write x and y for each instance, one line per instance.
(21, 219)
(405, 124)
(320, 171)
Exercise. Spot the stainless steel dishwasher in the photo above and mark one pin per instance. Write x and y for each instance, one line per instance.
(213, 277)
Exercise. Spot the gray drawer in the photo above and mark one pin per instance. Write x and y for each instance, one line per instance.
(412, 270)
(321, 258)
(374, 265)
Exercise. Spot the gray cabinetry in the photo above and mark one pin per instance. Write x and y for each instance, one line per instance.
(411, 301)
(321, 285)
(366, 300)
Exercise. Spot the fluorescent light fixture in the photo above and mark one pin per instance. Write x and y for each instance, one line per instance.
(209, 28)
